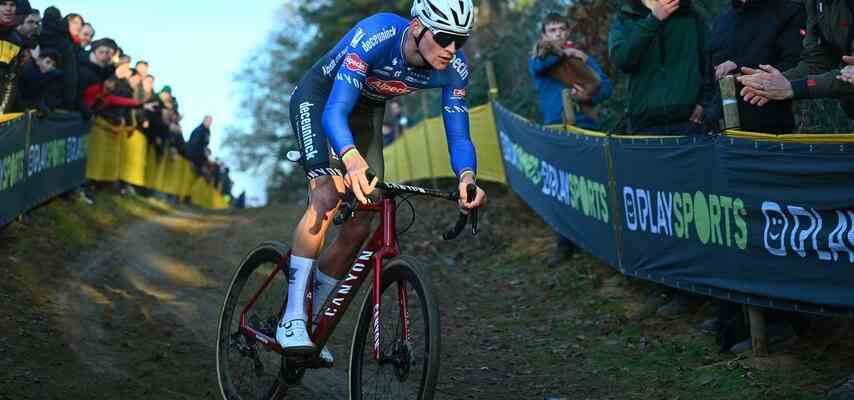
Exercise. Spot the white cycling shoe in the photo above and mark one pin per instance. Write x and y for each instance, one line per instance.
(293, 337)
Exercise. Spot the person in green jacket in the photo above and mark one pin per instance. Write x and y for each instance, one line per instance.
(825, 66)
(662, 50)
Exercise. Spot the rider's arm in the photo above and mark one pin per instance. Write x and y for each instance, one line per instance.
(456, 117)
(345, 92)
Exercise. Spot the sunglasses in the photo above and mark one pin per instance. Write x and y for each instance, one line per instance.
(444, 39)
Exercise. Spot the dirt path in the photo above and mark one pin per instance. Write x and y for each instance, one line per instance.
(136, 319)
(142, 309)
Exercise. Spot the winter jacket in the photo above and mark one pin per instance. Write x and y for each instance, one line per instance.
(98, 99)
(665, 61)
(750, 34)
(118, 112)
(11, 57)
(39, 90)
(829, 36)
(90, 74)
(199, 140)
(550, 89)
(55, 35)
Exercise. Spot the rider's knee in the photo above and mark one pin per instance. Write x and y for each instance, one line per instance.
(323, 198)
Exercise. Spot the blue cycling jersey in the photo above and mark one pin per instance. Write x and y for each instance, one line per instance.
(368, 63)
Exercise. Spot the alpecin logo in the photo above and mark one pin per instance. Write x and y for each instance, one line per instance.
(355, 63)
(459, 93)
(388, 88)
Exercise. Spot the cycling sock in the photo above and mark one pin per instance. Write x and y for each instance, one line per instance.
(298, 281)
(323, 286)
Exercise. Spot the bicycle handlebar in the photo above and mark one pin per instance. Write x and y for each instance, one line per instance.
(348, 205)
(471, 192)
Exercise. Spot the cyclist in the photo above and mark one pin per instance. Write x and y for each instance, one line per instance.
(337, 113)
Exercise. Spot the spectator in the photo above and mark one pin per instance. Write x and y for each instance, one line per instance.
(394, 123)
(87, 32)
(663, 52)
(30, 27)
(199, 140)
(95, 70)
(75, 24)
(552, 53)
(827, 46)
(55, 35)
(553, 34)
(823, 71)
(42, 80)
(118, 113)
(10, 61)
(750, 33)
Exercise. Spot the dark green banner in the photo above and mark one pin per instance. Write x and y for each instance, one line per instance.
(39, 159)
(753, 221)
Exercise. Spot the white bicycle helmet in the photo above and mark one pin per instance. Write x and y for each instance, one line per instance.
(452, 16)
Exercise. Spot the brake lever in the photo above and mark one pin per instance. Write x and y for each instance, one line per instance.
(464, 218)
(346, 209)
(471, 193)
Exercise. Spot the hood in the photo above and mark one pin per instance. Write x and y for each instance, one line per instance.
(53, 24)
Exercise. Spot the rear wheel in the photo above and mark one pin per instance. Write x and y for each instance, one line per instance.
(246, 369)
(408, 366)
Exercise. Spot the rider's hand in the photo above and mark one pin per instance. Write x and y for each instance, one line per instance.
(479, 199)
(356, 178)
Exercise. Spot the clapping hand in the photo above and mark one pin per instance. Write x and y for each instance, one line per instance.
(847, 73)
(764, 84)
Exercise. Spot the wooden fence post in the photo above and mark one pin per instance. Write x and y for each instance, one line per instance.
(729, 100)
(493, 83)
(758, 331)
(568, 107)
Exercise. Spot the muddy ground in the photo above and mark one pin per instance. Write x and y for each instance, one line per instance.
(131, 312)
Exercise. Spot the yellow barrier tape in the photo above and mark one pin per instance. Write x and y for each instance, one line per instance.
(794, 138)
(103, 159)
(134, 152)
(407, 159)
(10, 117)
(122, 153)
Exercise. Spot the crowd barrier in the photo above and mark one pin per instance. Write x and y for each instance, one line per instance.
(42, 157)
(752, 218)
(420, 152)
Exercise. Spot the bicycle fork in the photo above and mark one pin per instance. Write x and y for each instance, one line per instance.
(403, 306)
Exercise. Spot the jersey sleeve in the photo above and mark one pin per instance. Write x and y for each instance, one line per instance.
(455, 115)
(347, 87)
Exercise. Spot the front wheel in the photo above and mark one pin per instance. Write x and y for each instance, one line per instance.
(247, 369)
(409, 362)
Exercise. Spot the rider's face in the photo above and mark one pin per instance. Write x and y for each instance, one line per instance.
(556, 31)
(437, 56)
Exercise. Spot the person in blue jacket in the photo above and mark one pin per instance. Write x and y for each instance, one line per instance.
(554, 28)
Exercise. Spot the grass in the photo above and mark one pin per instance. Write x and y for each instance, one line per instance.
(514, 328)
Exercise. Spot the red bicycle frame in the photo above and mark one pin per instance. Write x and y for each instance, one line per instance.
(383, 244)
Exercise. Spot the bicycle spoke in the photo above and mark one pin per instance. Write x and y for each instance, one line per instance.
(251, 369)
(395, 376)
